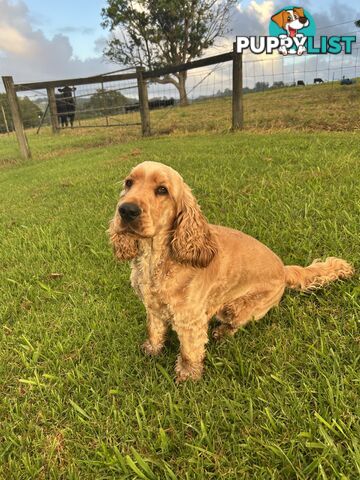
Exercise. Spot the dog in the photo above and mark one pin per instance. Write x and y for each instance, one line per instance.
(291, 21)
(187, 271)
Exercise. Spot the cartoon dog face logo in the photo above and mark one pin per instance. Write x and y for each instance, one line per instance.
(291, 20)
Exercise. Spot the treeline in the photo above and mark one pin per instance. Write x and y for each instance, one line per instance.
(102, 103)
(259, 87)
(31, 113)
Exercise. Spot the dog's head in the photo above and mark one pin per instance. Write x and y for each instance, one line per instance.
(291, 20)
(156, 201)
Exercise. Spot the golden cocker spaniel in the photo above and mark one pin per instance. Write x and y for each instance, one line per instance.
(186, 271)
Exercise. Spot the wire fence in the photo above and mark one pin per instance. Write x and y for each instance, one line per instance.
(116, 103)
(291, 69)
(273, 71)
(95, 105)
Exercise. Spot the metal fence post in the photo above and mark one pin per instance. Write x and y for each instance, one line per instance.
(16, 117)
(237, 91)
(143, 102)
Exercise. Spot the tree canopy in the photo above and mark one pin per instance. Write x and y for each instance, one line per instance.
(29, 110)
(155, 33)
(106, 100)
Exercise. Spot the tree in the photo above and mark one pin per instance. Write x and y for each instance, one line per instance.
(357, 23)
(5, 105)
(279, 84)
(29, 110)
(110, 101)
(31, 113)
(260, 86)
(155, 33)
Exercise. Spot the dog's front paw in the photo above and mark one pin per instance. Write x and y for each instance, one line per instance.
(150, 349)
(185, 370)
(283, 50)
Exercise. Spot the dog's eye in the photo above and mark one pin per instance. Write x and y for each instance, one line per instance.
(128, 183)
(161, 191)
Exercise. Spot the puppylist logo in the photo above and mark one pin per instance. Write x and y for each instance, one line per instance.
(292, 32)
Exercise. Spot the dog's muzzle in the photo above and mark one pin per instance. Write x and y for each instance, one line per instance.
(129, 211)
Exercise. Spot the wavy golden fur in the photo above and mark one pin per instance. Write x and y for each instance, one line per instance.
(186, 270)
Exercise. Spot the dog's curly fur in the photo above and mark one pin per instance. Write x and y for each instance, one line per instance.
(186, 271)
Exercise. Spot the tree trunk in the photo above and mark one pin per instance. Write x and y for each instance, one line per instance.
(182, 89)
(180, 84)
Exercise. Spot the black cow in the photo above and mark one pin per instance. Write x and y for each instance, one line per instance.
(158, 103)
(301, 83)
(153, 104)
(318, 80)
(65, 106)
(61, 109)
(346, 81)
(134, 107)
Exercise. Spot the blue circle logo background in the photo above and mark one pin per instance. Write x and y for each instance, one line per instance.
(309, 31)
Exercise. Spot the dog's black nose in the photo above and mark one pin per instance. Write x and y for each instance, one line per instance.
(303, 20)
(129, 211)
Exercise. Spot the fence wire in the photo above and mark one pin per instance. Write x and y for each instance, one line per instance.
(117, 104)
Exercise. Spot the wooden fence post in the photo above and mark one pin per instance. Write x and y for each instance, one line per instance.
(16, 117)
(143, 102)
(237, 91)
(53, 110)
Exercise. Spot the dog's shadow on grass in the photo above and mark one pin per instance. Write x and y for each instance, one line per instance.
(172, 344)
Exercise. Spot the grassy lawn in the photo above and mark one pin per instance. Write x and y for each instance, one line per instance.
(78, 400)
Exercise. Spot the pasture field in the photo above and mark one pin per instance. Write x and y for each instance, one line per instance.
(78, 400)
(328, 107)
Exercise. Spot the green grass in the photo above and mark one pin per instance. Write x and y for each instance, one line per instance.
(78, 400)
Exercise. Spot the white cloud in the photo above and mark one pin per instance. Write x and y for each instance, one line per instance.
(262, 11)
(28, 55)
(12, 41)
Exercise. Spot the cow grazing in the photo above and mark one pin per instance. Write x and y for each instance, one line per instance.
(318, 80)
(153, 104)
(346, 81)
(134, 107)
(158, 103)
(301, 83)
(65, 106)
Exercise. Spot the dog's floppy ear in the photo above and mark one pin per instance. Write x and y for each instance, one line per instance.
(192, 242)
(279, 18)
(125, 246)
(299, 11)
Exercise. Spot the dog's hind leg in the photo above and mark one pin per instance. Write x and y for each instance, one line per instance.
(252, 306)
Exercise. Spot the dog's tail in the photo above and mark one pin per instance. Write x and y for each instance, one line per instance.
(317, 274)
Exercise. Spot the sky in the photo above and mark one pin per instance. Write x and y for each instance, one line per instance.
(79, 20)
(44, 40)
